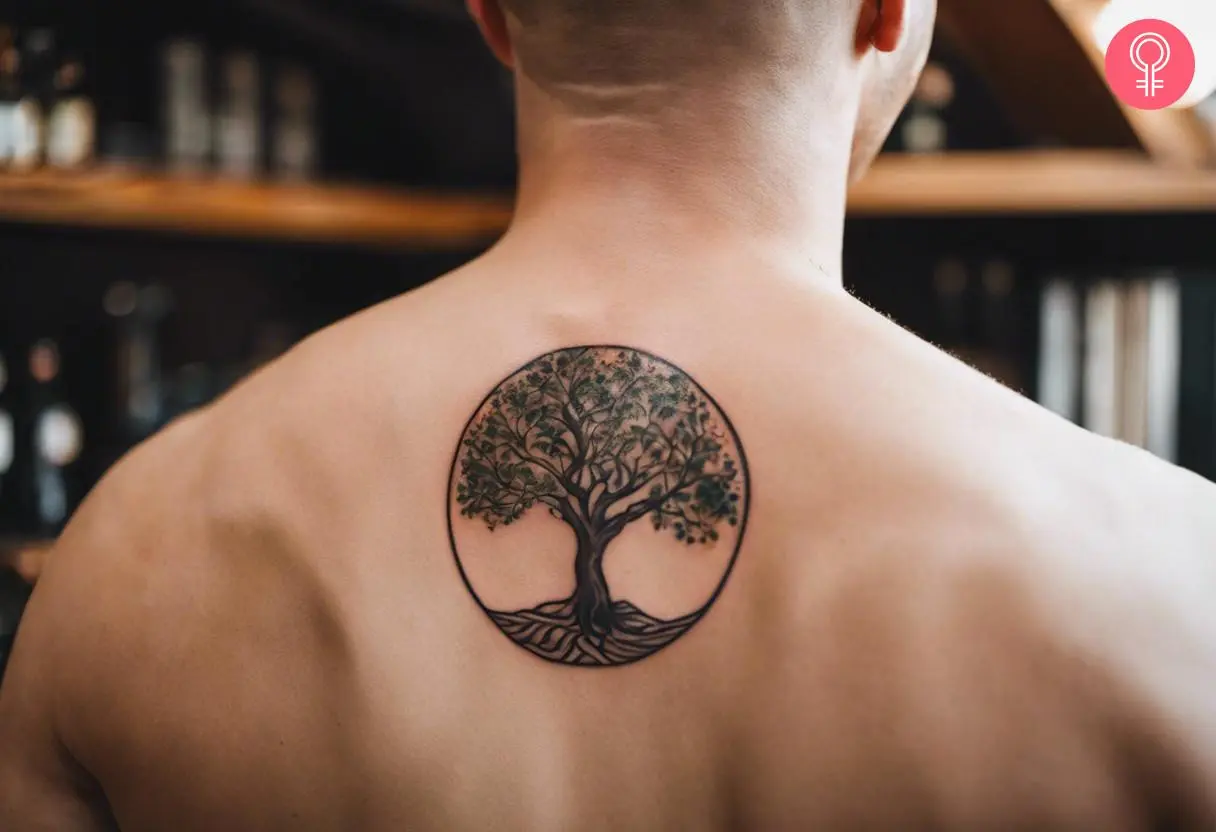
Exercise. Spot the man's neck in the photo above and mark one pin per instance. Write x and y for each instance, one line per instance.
(774, 188)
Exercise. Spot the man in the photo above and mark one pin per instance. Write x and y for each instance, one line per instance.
(637, 522)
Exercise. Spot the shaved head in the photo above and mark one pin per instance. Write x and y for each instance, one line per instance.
(570, 43)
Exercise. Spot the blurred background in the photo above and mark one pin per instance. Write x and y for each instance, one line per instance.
(188, 189)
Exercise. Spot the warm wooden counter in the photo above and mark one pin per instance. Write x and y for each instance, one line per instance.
(1048, 182)
(320, 213)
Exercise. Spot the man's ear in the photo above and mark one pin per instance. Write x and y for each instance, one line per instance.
(492, 21)
(881, 25)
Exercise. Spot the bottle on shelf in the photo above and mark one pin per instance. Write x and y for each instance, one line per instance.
(10, 95)
(139, 313)
(36, 67)
(187, 112)
(27, 128)
(295, 135)
(72, 126)
(57, 441)
(924, 128)
(239, 140)
(999, 323)
(952, 289)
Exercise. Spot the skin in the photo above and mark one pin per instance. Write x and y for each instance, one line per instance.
(951, 609)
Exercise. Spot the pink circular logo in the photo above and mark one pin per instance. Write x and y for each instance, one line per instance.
(1150, 64)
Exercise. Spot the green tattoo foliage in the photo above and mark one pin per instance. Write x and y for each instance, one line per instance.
(601, 438)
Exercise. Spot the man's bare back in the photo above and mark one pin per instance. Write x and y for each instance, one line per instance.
(771, 561)
(948, 608)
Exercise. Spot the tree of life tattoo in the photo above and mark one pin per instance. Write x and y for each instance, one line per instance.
(601, 438)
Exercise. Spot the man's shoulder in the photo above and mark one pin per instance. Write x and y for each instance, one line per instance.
(100, 592)
(177, 568)
(1047, 492)
(296, 434)
(1128, 587)
(1099, 512)
(148, 493)
(179, 514)
(1129, 499)
(1066, 481)
(273, 467)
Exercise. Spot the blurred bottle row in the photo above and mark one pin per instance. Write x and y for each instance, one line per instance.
(1133, 357)
(40, 439)
(53, 444)
(232, 113)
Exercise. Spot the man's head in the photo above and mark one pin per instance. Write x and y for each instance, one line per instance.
(643, 58)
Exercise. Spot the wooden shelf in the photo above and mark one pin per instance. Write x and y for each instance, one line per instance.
(1047, 183)
(310, 213)
(1055, 182)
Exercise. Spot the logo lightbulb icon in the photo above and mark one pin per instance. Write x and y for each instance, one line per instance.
(1150, 83)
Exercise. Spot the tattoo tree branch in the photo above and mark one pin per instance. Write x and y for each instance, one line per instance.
(601, 442)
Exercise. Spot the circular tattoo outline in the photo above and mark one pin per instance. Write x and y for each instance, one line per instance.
(452, 507)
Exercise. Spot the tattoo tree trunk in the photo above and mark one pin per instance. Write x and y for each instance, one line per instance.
(592, 599)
